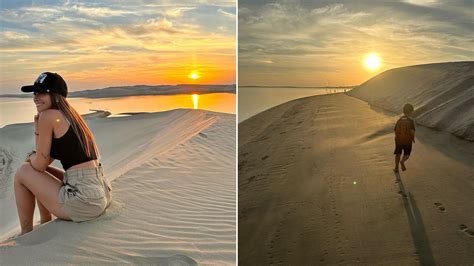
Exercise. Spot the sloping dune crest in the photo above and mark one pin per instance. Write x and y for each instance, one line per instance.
(442, 94)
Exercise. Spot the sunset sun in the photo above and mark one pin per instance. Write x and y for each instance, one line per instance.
(194, 75)
(372, 61)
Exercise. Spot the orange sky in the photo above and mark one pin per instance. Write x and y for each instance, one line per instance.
(325, 42)
(113, 44)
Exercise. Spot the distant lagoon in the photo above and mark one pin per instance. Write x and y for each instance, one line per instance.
(22, 110)
(254, 100)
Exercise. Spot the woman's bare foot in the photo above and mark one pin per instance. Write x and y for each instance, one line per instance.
(8, 244)
(395, 170)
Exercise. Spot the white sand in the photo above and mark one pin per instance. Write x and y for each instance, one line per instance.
(443, 94)
(316, 187)
(174, 194)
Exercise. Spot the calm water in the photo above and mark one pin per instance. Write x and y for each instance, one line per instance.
(253, 100)
(21, 110)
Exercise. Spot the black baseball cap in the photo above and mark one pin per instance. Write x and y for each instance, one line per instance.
(48, 82)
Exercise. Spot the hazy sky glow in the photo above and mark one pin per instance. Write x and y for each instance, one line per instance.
(96, 45)
(325, 42)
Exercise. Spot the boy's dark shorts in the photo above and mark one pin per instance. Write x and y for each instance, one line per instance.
(405, 147)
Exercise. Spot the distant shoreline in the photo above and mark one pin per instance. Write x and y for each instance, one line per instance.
(141, 90)
(301, 87)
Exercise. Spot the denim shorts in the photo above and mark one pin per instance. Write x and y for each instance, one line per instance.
(86, 193)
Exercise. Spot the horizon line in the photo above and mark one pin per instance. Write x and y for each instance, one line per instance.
(279, 86)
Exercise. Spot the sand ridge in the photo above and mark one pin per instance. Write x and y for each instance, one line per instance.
(174, 205)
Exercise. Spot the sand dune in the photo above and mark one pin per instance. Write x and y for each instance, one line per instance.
(316, 187)
(174, 195)
(443, 94)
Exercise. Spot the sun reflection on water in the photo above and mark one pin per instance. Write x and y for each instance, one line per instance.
(195, 100)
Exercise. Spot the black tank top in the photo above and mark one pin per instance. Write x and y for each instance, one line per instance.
(67, 149)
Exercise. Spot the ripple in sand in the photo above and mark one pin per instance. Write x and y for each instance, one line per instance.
(6, 170)
(175, 260)
(115, 209)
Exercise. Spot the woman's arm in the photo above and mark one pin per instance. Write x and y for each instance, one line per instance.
(41, 159)
(36, 130)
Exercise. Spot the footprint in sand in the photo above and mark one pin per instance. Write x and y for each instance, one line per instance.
(264, 157)
(402, 193)
(468, 231)
(242, 164)
(171, 260)
(440, 206)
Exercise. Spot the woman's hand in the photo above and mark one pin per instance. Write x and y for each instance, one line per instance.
(35, 119)
(28, 156)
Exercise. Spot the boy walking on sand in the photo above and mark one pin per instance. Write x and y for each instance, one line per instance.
(404, 136)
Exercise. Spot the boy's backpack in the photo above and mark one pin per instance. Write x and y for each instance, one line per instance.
(403, 131)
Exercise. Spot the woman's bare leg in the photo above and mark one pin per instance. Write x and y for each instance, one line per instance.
(29, 184)
(25, 204)
(45, 214)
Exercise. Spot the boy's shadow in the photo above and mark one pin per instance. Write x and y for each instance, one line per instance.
(417, 228)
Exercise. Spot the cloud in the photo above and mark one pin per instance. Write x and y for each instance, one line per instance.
(11, 35)
(151, 26)
(177, 12)
(422, 2)
(227, 14)
(98, 11)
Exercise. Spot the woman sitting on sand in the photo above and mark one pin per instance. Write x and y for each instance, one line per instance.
(79, 193)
